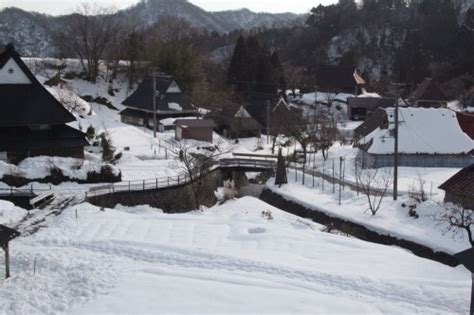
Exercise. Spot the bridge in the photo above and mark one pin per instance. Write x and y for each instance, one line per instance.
(239, 162)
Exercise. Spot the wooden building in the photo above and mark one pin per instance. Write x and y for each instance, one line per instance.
(466, 121)
(339, 79)
(171, 102)
(428, 94)
(201, 130)
(459, 189)
(428, 137)
(359, 108)
(32, 121)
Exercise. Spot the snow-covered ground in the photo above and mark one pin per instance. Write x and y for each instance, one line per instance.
(409, 177)
(228, 259)
(392, 218)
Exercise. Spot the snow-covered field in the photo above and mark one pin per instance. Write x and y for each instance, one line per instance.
(228, 259)
(392, 219)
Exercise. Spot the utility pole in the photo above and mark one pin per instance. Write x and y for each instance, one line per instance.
(395, 157)
(268, 121)
(154, 103)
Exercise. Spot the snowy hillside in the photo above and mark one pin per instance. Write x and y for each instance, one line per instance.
(138, 260)
(36, 34)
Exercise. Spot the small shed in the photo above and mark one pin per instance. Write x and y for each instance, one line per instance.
(460, 188)
(201, 130)
(6, 235)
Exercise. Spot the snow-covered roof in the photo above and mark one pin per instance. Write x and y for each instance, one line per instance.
(421, 131)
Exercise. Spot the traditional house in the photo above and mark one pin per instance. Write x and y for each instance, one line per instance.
(359, 108)
(371, 123)
(32, 121)
(428, 137)
(339, 79)
(201, 130)
(171, 102)
(460, 188)
(466, 121)
(428, 94)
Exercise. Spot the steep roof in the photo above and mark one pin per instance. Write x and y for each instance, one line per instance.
(421, 131)
(338, 77)
(466, 121)
(371, 123)
(142, 98)
(462, 183)
(428, 90)
(28, 103)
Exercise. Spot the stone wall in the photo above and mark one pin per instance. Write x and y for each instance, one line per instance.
(177, 199)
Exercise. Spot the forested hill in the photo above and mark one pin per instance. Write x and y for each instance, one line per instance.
(34, 34)
(388, 40)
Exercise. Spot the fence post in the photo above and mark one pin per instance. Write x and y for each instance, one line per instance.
(333, 177)
(178, 180)
(32, 190)
(340, 178)
(168, 182)
(129, 186)
(11, 190)
(296, 173)
(143, 184)
(312, 172)
(304, 167)
(156, 179)
(322, 183)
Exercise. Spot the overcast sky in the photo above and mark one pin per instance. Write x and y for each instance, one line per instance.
(56, 7)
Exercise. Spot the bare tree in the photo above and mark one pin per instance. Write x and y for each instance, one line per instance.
(374, 184)
(197, 163)
(458, 219)
(294, 77)
(324, 133)
(91, 30)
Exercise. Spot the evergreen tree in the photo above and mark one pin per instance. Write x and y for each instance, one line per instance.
(107, 148)
(237, 72)
(281, 178)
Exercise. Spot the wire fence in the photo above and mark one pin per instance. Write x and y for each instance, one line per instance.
(348, 171)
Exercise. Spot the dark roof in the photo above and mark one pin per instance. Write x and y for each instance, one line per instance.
(466, 121)
(371, 123)
(337, 77)
(371, 102)
(23, 138)
(28, 104)
(466, 258)
(461, 184)
(195, 123)
(428, 90)
(142, 98)
(7, 234)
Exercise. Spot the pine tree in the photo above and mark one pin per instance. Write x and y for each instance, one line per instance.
(107, 148)
(239, 65)
(281, 178)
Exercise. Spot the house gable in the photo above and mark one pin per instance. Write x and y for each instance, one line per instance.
(173, 88)
(11, 73)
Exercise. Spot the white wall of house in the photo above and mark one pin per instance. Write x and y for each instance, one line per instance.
(11, 73)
